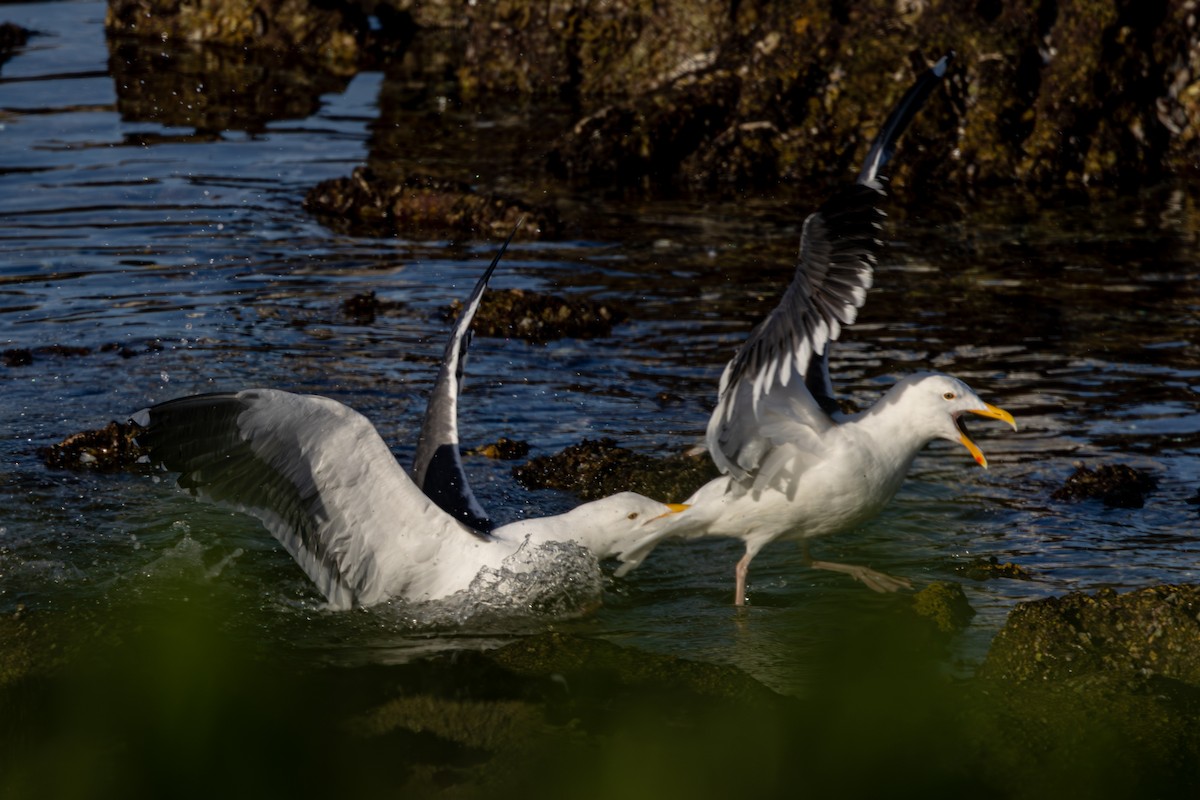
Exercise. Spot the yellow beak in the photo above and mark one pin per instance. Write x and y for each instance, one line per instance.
(991, 412)
(673, 508)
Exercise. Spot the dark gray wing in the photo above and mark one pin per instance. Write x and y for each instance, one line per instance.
(318, 476)
(437, 465)
(835, 268)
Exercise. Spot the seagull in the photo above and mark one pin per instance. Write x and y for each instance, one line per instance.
(793, 466)
(322, 480)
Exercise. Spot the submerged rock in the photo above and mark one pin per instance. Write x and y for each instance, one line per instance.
(983, 569)
(17, 357)
(23, 357)
(361, 309)
(370, 203)
(538, 317)
(110, 448)
(596, 469)
(1117, 485)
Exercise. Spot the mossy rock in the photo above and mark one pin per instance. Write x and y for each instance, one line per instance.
(596, 469)
(1152, 631)
(945, 605)
(373, 203)
(539, 317)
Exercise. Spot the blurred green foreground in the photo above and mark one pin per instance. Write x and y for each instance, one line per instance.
(165, 700)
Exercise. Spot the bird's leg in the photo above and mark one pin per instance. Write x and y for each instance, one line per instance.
(878, 581)
(743, 567)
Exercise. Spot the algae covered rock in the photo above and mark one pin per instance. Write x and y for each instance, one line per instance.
(945, 605)
(595, 469)
(374, 203)
(538, 317)
(1152, 631)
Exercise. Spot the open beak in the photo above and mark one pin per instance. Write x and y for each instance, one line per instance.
(992, 412)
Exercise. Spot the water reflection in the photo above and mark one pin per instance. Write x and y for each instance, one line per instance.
(210, 88)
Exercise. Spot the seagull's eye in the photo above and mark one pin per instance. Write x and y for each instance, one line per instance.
(948, 396)
(633, 515)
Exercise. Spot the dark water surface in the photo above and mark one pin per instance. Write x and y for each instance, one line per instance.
(165, 234)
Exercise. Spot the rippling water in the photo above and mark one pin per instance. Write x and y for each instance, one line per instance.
(164, 233)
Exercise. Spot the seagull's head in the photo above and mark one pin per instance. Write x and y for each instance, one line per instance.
(607, 526)
(941, 401)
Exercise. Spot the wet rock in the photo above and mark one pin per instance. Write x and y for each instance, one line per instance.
(596, 469)
(586, 50)
(1117, 485)
(648, 139)
(502, 449)
(984, 569)
(328, 34)
(945, 605)
(1093, 91)
(107, 449)
(361, 309)
(1147, 632)
(537, 317)
(373, 203)
(212, 88)
(1105, 687)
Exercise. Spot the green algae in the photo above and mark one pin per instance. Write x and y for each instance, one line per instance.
(945, 605)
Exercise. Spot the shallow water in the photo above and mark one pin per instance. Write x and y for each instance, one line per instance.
(129, 218)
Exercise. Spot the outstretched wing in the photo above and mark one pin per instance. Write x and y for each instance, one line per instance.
(318, 476)
(787, 353)
(437, 465)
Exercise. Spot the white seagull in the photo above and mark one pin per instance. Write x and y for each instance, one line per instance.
(793, 466)
(323, 482)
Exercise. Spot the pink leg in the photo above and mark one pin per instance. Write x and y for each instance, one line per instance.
(878, 581)
(743, 567)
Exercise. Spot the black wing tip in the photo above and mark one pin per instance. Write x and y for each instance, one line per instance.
(882, 149)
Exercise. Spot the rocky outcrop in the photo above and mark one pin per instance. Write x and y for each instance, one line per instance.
(326, 34)
(737, 93)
